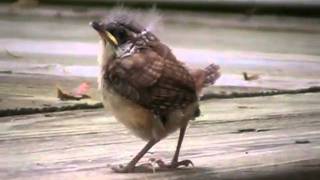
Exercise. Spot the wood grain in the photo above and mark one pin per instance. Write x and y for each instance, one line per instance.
(81, 144)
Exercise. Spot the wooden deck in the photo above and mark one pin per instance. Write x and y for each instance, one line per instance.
(244, 138)
(264, 137)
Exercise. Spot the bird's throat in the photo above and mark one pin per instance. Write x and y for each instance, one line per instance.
(106, 53)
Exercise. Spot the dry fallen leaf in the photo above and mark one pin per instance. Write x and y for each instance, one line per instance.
(77, 94)
(251, 77)
(82, 89)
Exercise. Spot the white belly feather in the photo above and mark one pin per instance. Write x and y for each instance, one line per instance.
(141, 121)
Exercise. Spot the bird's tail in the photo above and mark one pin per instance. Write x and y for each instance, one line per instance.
(205, 77)
(211, 74)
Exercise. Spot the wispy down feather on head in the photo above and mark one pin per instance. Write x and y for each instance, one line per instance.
(138, 20)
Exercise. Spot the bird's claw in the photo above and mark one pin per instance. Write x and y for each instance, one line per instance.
(128, 169)
(172, 165)
(153, 164)
(121, 169)
(185, 163)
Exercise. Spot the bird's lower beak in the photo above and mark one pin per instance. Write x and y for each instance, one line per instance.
(99, 27)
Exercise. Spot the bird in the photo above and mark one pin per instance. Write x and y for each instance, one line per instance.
(146, 87)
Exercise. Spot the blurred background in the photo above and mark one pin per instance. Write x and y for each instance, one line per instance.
(261, 44)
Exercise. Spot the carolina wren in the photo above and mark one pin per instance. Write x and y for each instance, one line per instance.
(145, 87)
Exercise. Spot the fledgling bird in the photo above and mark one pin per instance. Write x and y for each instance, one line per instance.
(145, 87)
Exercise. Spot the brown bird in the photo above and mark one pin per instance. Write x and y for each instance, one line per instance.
(145, 87)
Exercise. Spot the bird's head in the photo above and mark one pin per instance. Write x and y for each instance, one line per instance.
(112, 35)
(115, 33)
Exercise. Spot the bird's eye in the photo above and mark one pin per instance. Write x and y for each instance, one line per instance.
(121, 33)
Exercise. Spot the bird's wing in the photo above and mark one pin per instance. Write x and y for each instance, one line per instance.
(149, 80)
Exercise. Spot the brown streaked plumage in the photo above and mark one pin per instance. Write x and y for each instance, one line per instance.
(146, 88)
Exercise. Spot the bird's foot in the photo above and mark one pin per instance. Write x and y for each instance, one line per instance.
(172, 165)
(122, 169)
(185, 163)
(145, 167)
(153, 164)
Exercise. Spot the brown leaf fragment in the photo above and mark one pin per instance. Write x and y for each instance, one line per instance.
(250, 77)
(69, 97)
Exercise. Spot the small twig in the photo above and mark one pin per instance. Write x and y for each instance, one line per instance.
(12, 55)
(208, 96)
(26, 111)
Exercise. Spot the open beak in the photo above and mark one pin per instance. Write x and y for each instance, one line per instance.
(100, 28)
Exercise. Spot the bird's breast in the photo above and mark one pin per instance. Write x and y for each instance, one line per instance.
(136, 118)
(142, 121)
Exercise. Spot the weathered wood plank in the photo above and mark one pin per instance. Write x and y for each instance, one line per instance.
(80, 144)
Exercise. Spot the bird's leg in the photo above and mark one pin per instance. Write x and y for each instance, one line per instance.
(174, 162)
(131, 165)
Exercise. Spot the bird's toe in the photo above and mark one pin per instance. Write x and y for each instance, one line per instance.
(173, 165)
(185, 163)
(122, 169)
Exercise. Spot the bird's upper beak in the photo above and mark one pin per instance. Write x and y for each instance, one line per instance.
(104, 34)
